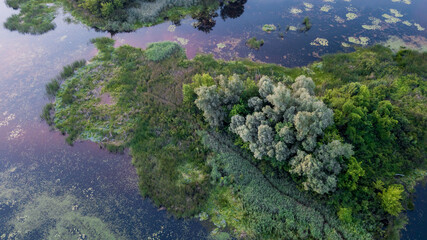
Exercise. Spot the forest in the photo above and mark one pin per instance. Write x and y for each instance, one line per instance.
(331, 150)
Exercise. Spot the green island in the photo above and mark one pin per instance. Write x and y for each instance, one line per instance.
(328, 151)
(36, 17)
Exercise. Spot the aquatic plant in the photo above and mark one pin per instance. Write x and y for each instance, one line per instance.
(326, 8)
(308, 6)
(291, 28)
(339, 19)
(396, 13)
(359, 40)
(182, 41)
(403, 1)
(253, 43)
(220, 45)
(390, 19)
(307, 25)
(319, 42)
(269, 28)
(374, 24)
(351, 16)
(172, 28)
(419, 27)
(295, 10)
(407, 23)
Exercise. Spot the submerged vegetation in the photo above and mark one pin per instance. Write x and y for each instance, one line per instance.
(257, 148)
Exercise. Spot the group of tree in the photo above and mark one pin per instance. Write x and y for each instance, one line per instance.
(282, 125)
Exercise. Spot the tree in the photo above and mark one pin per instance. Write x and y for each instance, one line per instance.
(279, 125)
(391, 197)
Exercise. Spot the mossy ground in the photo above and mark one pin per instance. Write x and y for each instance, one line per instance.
(144, 111)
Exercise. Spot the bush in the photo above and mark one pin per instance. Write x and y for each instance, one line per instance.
(158, 52)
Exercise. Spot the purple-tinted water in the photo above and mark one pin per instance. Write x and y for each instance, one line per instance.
(36, 161)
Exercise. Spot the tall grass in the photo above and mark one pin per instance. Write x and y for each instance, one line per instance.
(53, 86)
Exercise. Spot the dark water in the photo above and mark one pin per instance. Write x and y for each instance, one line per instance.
(416, 228)
(36, 164)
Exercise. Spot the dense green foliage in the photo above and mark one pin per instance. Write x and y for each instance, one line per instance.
(380, 111)
(279, 125)
(128, 97)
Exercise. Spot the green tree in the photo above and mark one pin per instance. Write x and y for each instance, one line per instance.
(107, 9)
(391, 197)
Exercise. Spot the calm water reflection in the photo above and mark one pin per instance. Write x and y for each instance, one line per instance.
(35, 163)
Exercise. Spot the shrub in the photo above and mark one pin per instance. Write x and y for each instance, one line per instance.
(391, 199)
(159, 51)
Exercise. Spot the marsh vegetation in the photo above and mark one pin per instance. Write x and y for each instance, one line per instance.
(332, 154)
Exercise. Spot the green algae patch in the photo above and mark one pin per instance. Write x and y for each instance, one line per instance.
(125, 98)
